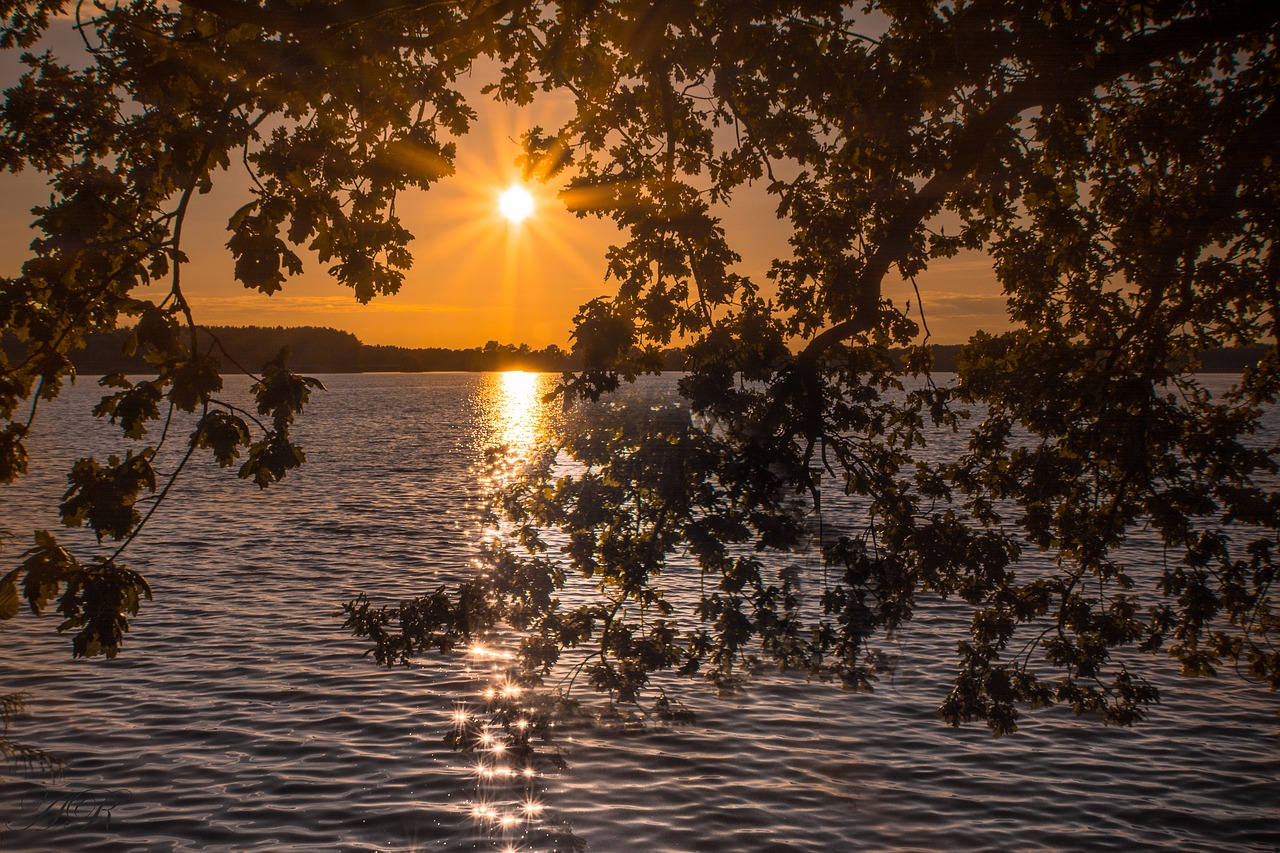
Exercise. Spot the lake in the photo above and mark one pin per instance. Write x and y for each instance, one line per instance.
(241, 717)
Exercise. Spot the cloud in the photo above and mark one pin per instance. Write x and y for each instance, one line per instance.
(338, 304)
(953, 317)
(954, 304)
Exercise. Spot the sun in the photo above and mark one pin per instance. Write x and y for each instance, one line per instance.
(516, 204)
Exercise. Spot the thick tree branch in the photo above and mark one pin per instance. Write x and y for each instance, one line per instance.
(972, 140)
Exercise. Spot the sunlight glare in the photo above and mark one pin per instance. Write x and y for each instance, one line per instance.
(516, 204)
(518, 411)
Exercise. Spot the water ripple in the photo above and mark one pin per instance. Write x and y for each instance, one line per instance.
(241, 718)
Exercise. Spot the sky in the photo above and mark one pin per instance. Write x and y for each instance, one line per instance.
(476, 277)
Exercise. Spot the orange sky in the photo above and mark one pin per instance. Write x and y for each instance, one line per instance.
(476, 277)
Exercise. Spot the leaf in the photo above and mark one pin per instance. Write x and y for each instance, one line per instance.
(194, 380)
(9, 604)
(45, 568)
(271, 459)
(105, 496)
(13, 453)
(224, 434)
(132, 407)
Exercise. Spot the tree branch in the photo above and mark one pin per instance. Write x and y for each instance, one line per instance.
(971, 140)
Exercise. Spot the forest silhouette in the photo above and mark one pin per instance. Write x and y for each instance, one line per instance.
(320, 349)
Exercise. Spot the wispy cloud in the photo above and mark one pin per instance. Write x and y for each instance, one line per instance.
(964, 303)
(339, 304)
(952, 317)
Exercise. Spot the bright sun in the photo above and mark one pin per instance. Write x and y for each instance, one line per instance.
(516, 204)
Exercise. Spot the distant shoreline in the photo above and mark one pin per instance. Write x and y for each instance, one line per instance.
(317, 349)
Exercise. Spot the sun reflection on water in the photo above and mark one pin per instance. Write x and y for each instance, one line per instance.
(506, 810)
(514, 401)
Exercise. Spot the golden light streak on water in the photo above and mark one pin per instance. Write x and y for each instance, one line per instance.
(506, 807)
(521, 416)
(514, 406)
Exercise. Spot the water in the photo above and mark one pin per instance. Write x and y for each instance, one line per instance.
(241, 717)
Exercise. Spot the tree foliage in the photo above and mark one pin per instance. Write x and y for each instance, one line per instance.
(1116, 161)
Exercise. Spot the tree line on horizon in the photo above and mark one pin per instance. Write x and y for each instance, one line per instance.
(321, 349)
(318, 349)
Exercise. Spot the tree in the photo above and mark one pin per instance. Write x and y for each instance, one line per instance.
(1115, 160)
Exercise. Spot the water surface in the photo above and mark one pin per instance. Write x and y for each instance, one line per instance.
(241, 717)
